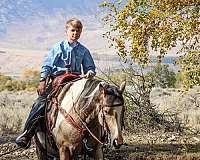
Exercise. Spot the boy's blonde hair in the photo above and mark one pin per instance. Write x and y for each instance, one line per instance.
(74, 22)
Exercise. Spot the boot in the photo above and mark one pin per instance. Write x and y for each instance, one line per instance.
(23, 140)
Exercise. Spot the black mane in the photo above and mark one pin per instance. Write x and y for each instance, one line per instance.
(89, 87)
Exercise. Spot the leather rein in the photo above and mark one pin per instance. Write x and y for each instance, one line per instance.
(68, 117)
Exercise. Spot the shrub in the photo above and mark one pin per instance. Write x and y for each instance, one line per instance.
(162, 77)
(14, 109)
(29, 82)
(31, 78)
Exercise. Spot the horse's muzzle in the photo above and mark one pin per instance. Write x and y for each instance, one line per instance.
(118, 142)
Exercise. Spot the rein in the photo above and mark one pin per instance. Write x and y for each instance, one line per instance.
(85, 125)
(68, 117)
(90, 132)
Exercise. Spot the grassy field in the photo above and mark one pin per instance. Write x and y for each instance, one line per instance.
(151, 145)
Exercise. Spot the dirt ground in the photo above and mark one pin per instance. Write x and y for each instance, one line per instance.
(137, 147)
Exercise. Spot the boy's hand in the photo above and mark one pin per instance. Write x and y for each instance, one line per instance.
(42, 88)
(89, 75)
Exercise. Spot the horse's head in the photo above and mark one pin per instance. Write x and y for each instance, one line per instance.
(110, 115)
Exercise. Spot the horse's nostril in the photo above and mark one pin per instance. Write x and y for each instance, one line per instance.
(116, 145)
(115, 141)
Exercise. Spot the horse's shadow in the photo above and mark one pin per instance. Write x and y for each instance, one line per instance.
(160, 151)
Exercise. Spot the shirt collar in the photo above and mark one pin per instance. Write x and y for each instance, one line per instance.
(72, 45)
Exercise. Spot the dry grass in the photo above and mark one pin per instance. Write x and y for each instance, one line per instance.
(157, 145)
(14, 109)
(185, 106)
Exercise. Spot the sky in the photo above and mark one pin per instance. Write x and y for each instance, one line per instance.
(61, 3)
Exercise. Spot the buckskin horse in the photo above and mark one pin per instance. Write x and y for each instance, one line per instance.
(85, 110)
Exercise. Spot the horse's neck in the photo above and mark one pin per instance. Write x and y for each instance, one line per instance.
(88, 104)
(90, 112)
(81, 96)
(73, 94)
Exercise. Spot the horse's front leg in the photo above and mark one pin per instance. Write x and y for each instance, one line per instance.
(99, 153)
(64, 153)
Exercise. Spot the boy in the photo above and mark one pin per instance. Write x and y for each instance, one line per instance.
(66, 56)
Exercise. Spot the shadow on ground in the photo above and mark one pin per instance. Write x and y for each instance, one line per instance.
(156, 152)
(126, 152)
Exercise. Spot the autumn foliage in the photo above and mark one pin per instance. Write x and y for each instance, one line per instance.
(137, 29)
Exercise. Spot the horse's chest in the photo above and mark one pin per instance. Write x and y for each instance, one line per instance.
(64, 131)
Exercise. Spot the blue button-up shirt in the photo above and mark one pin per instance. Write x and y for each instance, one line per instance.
(74, 55)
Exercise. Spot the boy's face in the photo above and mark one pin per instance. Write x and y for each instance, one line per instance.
(73, 34)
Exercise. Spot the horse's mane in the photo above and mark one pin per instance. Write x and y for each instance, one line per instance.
(87, 94)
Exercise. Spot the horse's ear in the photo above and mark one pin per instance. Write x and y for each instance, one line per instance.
(122, 87)
(102, 87)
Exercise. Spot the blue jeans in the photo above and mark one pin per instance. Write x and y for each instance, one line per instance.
(37, 112)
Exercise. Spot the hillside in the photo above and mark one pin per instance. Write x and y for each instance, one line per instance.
(15, 61)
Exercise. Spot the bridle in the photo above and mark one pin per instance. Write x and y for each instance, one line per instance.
(111, 93)
(103, 114)
(113, 105)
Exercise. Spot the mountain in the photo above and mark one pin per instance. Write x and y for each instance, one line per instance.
(29, 28)
(37, 24)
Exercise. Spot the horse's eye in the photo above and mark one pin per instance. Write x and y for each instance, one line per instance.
(106, 111)
(109, 92)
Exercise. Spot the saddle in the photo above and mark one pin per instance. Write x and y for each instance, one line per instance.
(60, 81)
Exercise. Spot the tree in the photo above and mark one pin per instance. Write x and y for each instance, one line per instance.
(191, 69)
(137, 27)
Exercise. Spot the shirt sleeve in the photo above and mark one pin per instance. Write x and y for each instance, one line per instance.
(88, 63)
(49, 62)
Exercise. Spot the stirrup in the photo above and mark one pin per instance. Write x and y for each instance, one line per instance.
(86, 146)
(27, 146)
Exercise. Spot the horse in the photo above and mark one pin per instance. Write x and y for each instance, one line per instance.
(87, 110)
